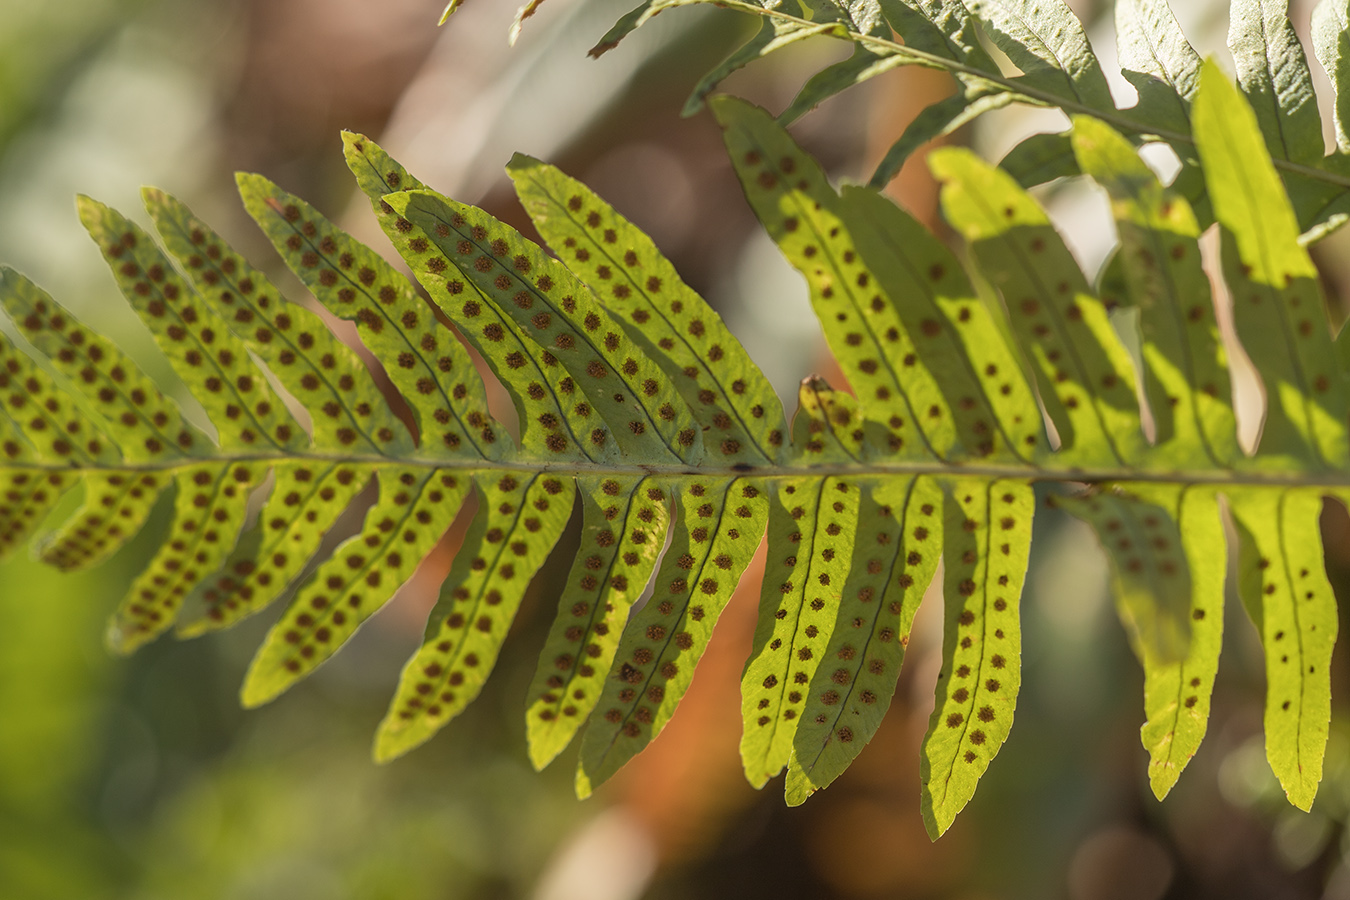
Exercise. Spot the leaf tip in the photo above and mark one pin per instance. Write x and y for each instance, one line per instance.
(944, 162)
(89, 210)
(936, 828)
(541, 755)
(399, 200)
(390, 743)
(353, 142)
(1301, 792)
(1162, 775)
(724, 107)
(449, 10)
(154, 197)
(522, 162)
(121, 641)
(797, 788)
(259, 689)
(583, 785)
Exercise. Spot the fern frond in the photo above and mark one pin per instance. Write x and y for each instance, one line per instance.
(1058, 68)
(636, 402)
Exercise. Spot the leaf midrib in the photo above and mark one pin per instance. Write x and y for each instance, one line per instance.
(1333, 478)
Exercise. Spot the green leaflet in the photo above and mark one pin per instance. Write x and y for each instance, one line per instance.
(27, 492)
(1150, 579)
(414, 509)
(1041, 158)
(308, 360)
(864, 17)
(543, 295)
(943, 28)
(144, 424)
(940, 119)
(208, 515)
(835, 79)
(14, 441)
(49, 427)
(555, 416)
(722, 524)
(672, 324)
(1274, 76)
(197, 340)
(815, 520)
(306, 498)
(623, 527)
(429, 367)
(26, 496)
(1177, 631)
(900, 534)
(1045, 40)
(518, 522)
(1177, 694)
(1157, 59)
(1285, 590)
(1186, 370)
(1331, 43)
(811, 519)
(801, 212)
(1086, 380)
(135, 416)
(114, 508)
(1277, 304)
(986, 539)
(963, 346)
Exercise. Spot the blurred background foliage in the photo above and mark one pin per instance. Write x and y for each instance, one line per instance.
(142, 778)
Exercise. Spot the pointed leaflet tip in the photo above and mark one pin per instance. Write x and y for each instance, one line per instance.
(353, 144)
(522, 162)
(449, 9)
(525, 11)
